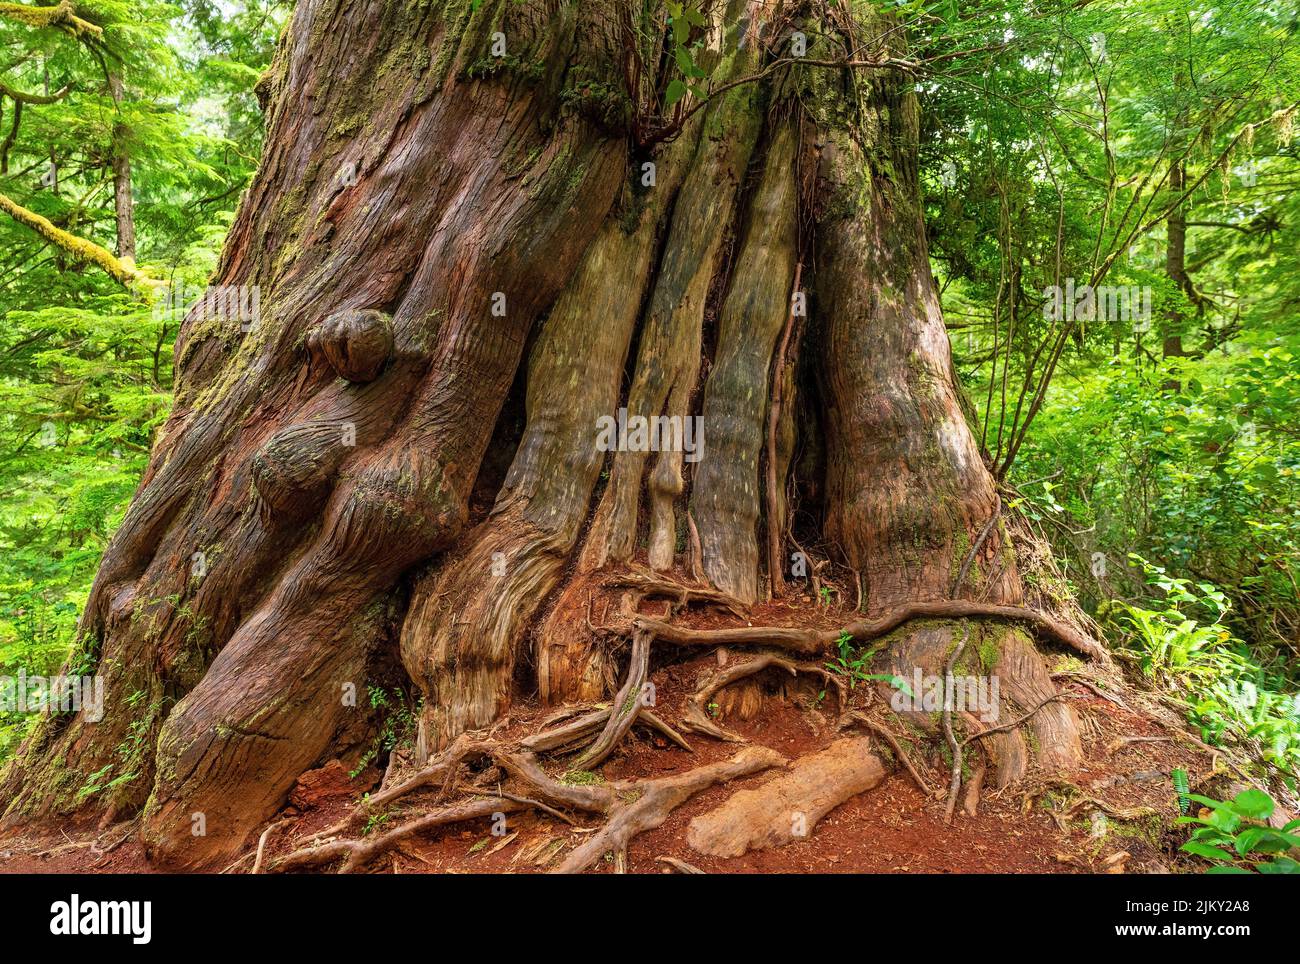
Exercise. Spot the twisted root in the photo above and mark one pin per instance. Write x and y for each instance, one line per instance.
(631, 807)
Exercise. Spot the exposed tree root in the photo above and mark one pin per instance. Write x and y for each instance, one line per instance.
(657, 799)
(356, 852)
(954, 783)
(93, 845)
(814, 641)
(631, 807)
(566, 735)
(681, 866)
(658, 725)
(443, 768)
(695, 715)
(535, 804)
(1081, 799)
(858, 717)
(627, 703)
(1014, 723)
(697, 720)
(974, 549)
(261, 843)
(650, 585)
(788, 807)
(972, 802)
(102, 852)
(1088, 683)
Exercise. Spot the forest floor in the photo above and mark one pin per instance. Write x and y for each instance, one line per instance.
(1034, 827)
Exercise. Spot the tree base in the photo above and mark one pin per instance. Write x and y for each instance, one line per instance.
(482, 776)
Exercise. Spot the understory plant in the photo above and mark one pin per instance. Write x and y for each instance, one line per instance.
(1235, 837)
(1185, 647)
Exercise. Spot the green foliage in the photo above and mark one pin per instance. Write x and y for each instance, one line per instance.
(1205, 479)
(85, 367)
(1175, 649)
(397, 721)
(1086, 145)
(683, 19)
(1185, 648)
(851, 662)
(375, 821)
(582, 778)
(1236, 838)
(1066, 157)
(1179, 777)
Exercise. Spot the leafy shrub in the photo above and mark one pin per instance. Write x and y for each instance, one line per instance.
(1185, 648)
(1234, 836)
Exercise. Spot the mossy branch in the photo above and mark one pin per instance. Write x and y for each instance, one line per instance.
(60, 17)
(79, 248)
(26, 98)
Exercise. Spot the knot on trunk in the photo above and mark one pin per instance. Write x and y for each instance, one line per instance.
(293, 471)
(396, 512)
(355, 342)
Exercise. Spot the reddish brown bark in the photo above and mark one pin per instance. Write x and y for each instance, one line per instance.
(465, 194)
(420, 208)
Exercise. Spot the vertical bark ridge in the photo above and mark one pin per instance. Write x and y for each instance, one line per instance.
(909, 499)
(668, 357)
(727, 495)
(466, 620)
(907, 491)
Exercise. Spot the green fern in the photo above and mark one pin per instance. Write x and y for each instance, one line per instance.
(1181, 788)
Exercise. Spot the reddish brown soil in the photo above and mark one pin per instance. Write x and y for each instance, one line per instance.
(891, 829)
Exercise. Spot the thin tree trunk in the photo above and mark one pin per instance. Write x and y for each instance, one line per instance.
(123, 203)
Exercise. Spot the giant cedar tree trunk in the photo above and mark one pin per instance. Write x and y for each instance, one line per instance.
(431, 222)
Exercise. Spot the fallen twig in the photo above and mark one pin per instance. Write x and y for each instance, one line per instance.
(954, 784)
